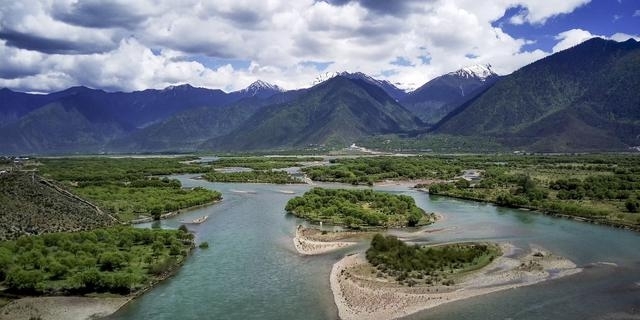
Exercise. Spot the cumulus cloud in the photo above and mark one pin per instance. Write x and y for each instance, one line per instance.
(573, 37)
(132, 45)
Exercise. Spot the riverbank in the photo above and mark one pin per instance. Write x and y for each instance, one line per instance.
(358, 294)
(544, 211)
(310, 242)
(61, 308)
(173, 213)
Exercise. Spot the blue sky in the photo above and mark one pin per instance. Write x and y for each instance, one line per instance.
(120, 45)
(599, 17)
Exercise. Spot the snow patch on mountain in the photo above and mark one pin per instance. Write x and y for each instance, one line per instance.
(478, 71)
(261, 86)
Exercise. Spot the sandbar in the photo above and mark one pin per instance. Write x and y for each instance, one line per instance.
(360, 295)
(311, 242)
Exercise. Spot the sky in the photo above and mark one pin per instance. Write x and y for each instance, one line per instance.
(122, 45)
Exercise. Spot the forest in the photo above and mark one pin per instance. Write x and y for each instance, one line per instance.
(358, 208)
(126, 187)
(429, 265)
(116, 260)
(255, 176)
(262, 163)
(367, 170)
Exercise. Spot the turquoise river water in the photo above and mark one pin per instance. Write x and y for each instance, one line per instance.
(252, 271)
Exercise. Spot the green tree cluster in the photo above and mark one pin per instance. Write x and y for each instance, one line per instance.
(262, 163)
(393, 257)
(358, 208)
(117, 260)
(255, 176)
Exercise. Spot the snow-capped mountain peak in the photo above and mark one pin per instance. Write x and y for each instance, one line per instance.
(479, 71)
(393, 91)
(259, 86)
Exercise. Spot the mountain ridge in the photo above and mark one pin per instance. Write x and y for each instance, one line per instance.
(586, 85)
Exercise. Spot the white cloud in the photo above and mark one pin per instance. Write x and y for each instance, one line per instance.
(636, 13)
(571, 38)
(574, 37)
(151, 43)
(538, 12)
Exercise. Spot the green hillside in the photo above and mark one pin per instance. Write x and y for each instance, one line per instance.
(30, 205)
(581, 99)
(337, 111)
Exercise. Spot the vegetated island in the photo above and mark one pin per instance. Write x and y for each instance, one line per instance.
(254, 176)
(86, 274)
(394, 279)
(357, 210)
(262, 163)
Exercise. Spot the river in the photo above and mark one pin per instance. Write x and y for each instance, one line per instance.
(252, 271)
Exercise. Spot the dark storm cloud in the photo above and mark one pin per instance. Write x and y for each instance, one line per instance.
(51, 46)
(14, 72)
(390, 7)
(98, 14)
(248, 19)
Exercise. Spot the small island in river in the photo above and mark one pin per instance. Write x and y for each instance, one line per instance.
(394, 279)
(359, 209)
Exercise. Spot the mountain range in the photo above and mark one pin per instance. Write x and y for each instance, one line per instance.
(582, 99)
(585, 98)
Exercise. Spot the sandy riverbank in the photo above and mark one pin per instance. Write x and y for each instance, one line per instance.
(313, 242)
(360, 295)
(61, 308)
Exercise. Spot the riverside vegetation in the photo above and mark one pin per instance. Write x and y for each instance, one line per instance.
(412, 265)
(116, 260)
(255, 176)
(262, 163)
(262, 169)
(358, 208)
(599, 188)
(125, 186)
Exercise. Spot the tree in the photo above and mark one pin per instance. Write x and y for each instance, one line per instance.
(5, 262)
(110, 261)
(632, 205)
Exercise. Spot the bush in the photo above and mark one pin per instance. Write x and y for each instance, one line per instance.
(632, 205)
